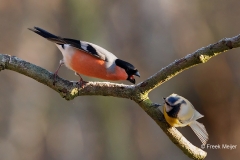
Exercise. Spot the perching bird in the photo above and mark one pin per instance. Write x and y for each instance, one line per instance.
(89, 59)
(179, 112)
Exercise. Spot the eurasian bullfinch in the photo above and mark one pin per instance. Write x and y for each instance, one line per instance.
(90, 59)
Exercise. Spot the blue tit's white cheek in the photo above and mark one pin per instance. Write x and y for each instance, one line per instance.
(167, 107)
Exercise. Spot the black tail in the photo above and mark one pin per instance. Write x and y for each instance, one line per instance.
(56, 39)
(48, 35)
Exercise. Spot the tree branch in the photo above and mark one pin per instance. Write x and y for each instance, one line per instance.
(138, 93)
(202, 55)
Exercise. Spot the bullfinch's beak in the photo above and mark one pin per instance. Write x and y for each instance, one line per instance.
(131, 79)
(137, 74)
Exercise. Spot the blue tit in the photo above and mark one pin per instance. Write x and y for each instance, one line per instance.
(179, 112)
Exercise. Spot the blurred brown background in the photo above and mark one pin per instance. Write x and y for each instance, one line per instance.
(36, 123)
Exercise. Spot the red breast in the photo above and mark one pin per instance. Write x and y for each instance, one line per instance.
(86, 64)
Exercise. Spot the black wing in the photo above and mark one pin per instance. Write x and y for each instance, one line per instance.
(83, 46)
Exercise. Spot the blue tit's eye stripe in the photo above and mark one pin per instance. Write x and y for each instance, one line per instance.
(183, 102)
(167, 103)
(174, 111)
(172, 100)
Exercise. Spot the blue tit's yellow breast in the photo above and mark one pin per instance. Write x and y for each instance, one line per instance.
(174, 122)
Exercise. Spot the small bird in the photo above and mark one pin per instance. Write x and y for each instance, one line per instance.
(179, 112)
(90, 59)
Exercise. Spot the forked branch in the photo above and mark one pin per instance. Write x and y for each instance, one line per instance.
(139, 93)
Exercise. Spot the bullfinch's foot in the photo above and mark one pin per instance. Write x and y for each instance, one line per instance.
(81, 82)
(56, 72)
(54, 78)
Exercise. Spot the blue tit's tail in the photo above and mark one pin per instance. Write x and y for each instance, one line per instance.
(200, 131)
